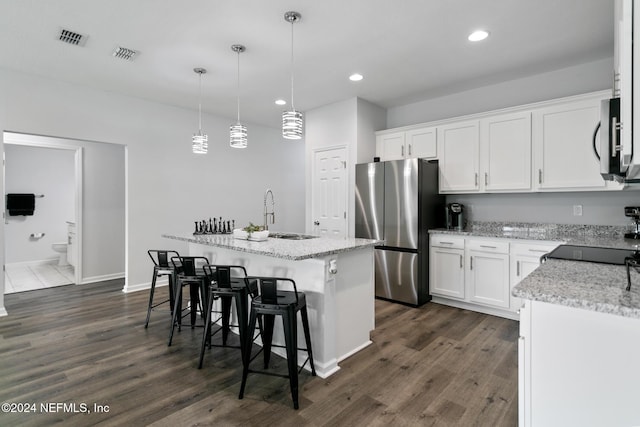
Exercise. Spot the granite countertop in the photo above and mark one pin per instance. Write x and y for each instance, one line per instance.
(580, 235)
(579, 284)
(280, 248)
(587, 285)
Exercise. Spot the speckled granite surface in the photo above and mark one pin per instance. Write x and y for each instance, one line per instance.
(581, 235)
(587, 285)
(280, 248)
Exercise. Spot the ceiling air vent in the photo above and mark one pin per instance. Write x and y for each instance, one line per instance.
(124, 53)
(71, 37)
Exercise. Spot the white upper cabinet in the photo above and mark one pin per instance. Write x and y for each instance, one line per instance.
(413, 143)
(562, 139)
(547, 146)
(390, 146)
(421, 143)
(459, 149)
(505, 152)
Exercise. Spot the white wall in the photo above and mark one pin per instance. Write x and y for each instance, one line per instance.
(371, 118)
(598, 208)
(168, 187)
(44, 171)
(589, 77)
(351, 123)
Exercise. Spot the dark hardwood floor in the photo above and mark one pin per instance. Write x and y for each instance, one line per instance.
(86, 345)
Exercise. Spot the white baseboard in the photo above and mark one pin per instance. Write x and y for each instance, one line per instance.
(102, 278)
(144, 286)
(476, 307)
(30, 263)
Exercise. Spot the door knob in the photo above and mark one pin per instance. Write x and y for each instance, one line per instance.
(316, 223)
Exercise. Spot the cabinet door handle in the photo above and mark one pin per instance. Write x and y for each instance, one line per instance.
(539, 176)
(544, 251)
(409, 149)
(402, 151)
(446, 243)
(488, 247)
(486, 178)
(470, 263)
(461, 262)
(476, 179)
(518, 270)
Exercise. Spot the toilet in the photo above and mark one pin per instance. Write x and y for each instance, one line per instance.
(61, 248)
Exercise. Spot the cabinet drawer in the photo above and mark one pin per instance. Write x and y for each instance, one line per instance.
(532, 249)
(492, 246)
(447, 241)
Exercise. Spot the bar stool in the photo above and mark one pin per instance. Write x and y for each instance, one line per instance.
(268, 303)
(224, 287)
(161, 267)
(187, 268)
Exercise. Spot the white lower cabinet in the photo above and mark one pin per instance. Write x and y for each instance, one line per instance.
(479, 273)
(446, 274)
(487, 273)
(577, 367)
(524, 258)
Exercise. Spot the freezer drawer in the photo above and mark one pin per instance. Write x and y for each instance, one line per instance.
(397, 275)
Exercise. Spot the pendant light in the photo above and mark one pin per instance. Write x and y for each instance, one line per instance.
(292, 119)
(199, 144)
(238, 132)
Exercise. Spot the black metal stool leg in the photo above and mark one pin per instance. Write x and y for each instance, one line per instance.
(153, 288)
(267, 337)
(194, 291)
(246, 359)
(291, 345)
(177, 310)
(206, 336)
(307, 337)
(226, 314)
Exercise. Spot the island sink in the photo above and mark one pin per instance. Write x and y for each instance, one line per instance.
(290, 236)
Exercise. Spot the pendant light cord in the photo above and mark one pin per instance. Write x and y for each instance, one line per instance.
(293, 108)
(200, 105)
(238, 87)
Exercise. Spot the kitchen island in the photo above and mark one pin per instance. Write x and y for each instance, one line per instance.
(337, 276)
(579, 344)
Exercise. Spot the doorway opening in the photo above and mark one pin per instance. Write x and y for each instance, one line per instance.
(43, 249)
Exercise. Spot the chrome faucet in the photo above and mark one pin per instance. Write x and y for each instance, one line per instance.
(266, 212)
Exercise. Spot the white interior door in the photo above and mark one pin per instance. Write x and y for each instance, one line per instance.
(330, 192)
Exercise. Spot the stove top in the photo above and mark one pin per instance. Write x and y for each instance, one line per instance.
(592, 254)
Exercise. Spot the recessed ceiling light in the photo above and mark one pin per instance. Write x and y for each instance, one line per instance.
(281, 102)
(476, 36)
(355, 77)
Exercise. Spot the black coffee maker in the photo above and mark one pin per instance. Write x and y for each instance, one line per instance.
(455, 216)
(633, 212)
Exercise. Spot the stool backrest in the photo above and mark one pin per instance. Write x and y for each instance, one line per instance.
(221, 274)
(269, 287)
(161, 257)
(188, 265)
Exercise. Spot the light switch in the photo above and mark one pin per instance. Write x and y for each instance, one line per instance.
(577, 210)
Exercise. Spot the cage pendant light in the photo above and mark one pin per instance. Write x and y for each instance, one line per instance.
(238, 132)
(199, 142)
(292, 119)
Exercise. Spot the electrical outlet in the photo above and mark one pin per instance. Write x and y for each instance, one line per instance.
(577, 210)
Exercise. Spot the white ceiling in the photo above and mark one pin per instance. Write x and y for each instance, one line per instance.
(407, 50)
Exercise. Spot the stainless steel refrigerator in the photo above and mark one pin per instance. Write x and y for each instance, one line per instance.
(398, 201)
